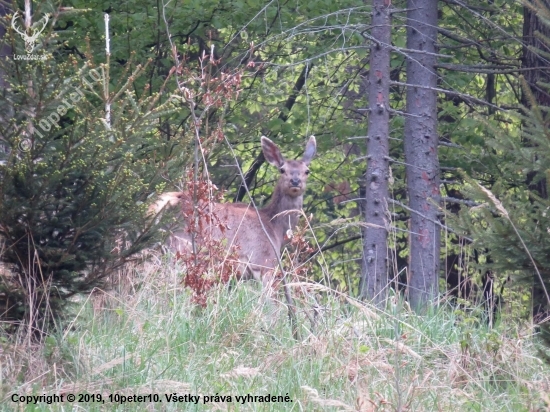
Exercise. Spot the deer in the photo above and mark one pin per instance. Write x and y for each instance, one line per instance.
(257, 235)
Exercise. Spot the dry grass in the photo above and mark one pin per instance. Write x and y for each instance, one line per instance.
(145, 336)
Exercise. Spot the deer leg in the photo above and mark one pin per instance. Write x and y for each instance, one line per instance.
(271, 282)
(291, 309)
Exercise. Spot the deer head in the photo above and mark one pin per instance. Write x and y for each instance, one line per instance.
(294, 173)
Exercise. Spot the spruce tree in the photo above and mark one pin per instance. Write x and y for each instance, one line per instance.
(513, 220)
(80, 155)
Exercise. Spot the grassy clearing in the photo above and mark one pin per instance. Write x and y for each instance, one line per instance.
(148, 338)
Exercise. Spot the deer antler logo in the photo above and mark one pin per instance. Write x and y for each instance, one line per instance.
(31, 34)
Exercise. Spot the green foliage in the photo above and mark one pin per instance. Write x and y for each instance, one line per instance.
(271, 44)
(513, 219)
(73, 180)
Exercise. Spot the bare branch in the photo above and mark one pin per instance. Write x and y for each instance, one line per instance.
(464, 96)
(460, 201)
(485, 69)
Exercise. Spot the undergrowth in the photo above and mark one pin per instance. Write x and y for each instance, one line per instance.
(147, 337)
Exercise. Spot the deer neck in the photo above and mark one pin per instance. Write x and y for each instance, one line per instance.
(281, 202)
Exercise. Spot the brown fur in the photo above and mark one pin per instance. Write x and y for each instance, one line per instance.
(258, 234)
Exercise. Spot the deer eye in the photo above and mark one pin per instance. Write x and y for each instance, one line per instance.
(282, 170)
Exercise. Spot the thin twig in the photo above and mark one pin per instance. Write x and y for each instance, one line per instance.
(450, 93)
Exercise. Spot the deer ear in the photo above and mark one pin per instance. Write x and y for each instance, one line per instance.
(311, 148)
(272, 153)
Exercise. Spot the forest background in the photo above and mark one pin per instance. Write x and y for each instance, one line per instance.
(178, 92)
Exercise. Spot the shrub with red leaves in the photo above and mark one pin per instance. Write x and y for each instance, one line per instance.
(300, 252)
(208, 263)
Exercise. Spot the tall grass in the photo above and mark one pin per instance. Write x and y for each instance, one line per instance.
(146, 337)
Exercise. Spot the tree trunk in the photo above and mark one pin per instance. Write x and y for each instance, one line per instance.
(421, 142)
(532, 54)
(533, 58)
(374, 277)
